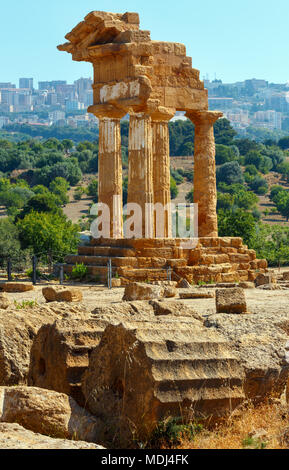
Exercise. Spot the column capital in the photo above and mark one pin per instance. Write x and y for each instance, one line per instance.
(163, 114)
(204, 117)
(107, 111)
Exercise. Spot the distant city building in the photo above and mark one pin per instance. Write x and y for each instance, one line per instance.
(256, 84)
(56, 116)
(268, 119)
(51, 85)
(7, 85)
(239, 120)
(26, 83)
(220, 103)
(73, 105)
(3, 121)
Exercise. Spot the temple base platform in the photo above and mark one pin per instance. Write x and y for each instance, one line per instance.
(208, 260)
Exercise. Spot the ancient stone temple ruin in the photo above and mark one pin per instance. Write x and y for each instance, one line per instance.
(150, 81)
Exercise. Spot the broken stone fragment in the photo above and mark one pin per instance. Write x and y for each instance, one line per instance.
(197, 294)
(142, 291)
(5, 302)
(47, 412)
(17, 286)
(58, 294)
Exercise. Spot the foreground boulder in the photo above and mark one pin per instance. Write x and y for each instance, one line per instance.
(259, 340)
(47, 412)
(231, 300)
(142, 372)
(60, 351)
(14, 436)
(60, 294)
(142, 291)
(17, 331)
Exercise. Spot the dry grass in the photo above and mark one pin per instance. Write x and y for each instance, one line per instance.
(265, 426)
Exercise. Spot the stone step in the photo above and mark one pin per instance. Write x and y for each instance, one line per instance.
(111, 251)
(194, 385)
(199, 350)
(143, 274)
(175, 369)
(101, 260)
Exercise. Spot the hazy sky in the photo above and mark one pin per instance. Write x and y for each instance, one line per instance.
(233, 39)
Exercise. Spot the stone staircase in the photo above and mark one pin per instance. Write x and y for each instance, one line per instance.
(212, 260)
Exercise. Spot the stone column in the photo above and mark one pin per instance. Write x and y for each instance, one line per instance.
(110, 171)
(161, 169)
(140, 173)
(205, 189)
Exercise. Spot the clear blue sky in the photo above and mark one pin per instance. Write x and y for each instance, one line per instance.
(234, 39)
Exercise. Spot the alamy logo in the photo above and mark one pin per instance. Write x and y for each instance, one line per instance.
(157, 221)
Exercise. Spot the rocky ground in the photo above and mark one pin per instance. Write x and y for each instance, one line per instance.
(176, 337)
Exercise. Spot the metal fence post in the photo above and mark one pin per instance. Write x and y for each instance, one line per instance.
(109, 274)
(61, 274)
(34, 265)
(169, 273)
(9, 270)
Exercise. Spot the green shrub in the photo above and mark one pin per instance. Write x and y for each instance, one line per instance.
(79, 271)
(29, 273)
(171, 431)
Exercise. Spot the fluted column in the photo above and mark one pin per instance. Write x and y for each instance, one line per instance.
(110, 172)
(161, 172)
(140, 177)
(205, 189)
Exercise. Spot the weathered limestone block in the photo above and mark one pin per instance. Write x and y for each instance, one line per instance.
(239, 258)
(263, 279)
(14, 436)
(5, 302)
(169, 292)
(229, 277)
(247, 285)
(141, 291)
(260, 341)
(47, 412)
(236, 242)
(17, 331)
(174, 308)
(286, 276)
(209, 241)
(17, 286)
(197, 294)
(231, 301)
(140, 374)
(59, 354)
(61, 294)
